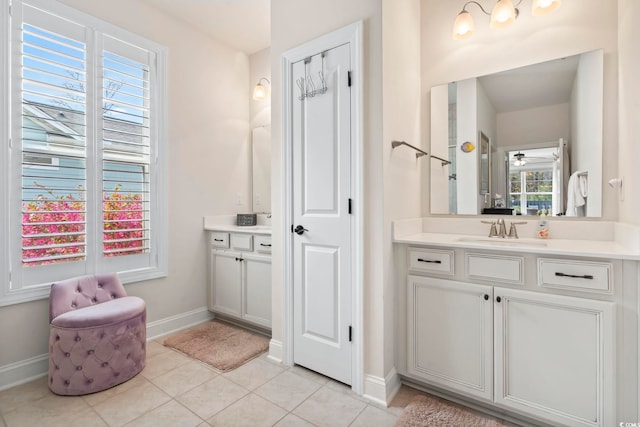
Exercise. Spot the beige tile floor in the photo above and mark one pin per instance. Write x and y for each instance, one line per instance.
(174, 390)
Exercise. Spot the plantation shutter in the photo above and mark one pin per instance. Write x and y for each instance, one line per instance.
(50, 127)
(127, 150)
(88, 194)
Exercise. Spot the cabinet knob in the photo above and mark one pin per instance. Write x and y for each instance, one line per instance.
(498, 299)
(486, 297)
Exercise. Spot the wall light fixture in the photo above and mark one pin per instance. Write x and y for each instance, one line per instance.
(260, 92)
(504, 13)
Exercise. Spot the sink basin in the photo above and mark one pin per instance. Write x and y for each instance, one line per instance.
(497, 241)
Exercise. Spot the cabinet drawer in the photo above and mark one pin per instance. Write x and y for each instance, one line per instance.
(263, 244)
(219, 239)
(507, 269)
(242, 242)
(575, 275)
(431, 260)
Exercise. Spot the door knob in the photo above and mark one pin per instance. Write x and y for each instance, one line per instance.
(299, 230)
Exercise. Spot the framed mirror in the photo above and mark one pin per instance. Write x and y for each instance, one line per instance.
(554, 106)
(261, 169)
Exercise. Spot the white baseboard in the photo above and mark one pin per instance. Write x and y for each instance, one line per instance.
(178, 322)
(381, 390)
(27, 370)
(23, 371)
(275, 351)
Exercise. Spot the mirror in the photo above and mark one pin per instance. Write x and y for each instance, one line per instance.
(538, 132)
(261, 169)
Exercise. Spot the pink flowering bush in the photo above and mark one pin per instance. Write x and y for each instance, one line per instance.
(54, 226)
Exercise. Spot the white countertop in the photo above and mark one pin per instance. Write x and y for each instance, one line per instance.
(565, 247)
(227, 223)
(253, 229)
(603, 239)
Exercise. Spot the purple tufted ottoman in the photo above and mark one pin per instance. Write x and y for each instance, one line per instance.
(97, 335)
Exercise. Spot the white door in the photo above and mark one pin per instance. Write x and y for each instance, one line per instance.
(450, 334)
(554, 357)
(322, 259)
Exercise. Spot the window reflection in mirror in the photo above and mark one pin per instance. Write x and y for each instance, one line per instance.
(528, 108)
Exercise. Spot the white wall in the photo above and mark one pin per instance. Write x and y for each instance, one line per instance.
(486, 122)
(391, 178)
(294, 22)
(516, 128)
(260, 66)
(629, 88)
(260, 120)
(401, 114)
(578, 26)
(440, 147)
(208, 114)
(467, 131)
(586, 130)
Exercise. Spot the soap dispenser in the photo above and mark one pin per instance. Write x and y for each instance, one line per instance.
(543, 226)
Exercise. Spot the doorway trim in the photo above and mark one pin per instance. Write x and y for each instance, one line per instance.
(350, 34)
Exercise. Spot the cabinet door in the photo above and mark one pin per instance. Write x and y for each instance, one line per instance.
(256, 307)
(450, 334)
(554, 357)
(225, 287)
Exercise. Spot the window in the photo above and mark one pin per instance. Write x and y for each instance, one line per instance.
(531, 191)
(86, 188)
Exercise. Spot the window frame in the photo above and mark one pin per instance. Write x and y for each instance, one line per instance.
(12, 291)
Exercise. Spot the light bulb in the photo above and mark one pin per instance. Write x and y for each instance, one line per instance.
(543, 7)
(259, 92)
(463, 27)
(503, 14)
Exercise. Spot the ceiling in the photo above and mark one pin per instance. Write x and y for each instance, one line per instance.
(546, 83)
(241, 24)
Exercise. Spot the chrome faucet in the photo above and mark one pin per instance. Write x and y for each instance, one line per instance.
(502, 228)
(513, 232)
(493, 231)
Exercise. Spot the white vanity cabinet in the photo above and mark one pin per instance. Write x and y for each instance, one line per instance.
(240, 276)
(450, 334)
(554, 356)
(489, 330)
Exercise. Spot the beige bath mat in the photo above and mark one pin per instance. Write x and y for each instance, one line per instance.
(223, 346)
(425, 411)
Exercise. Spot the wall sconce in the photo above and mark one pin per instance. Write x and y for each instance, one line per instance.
(504, 13)
(260, 92)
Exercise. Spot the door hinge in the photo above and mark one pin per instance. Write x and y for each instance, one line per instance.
(349, 78)
(292, 228)
(350, 207)
(350, 333)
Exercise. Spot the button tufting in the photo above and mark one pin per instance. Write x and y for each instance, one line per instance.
(73, 305)
(67, 355)
(113, 296)
(99, 286)
(90, 380)
(57, 367)
(93, 300)
(104, 364)
(77, 290)
(78, 368)
(66, 382)
(116, 374)
(57, 337)
(77, 338)
(90, 352)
